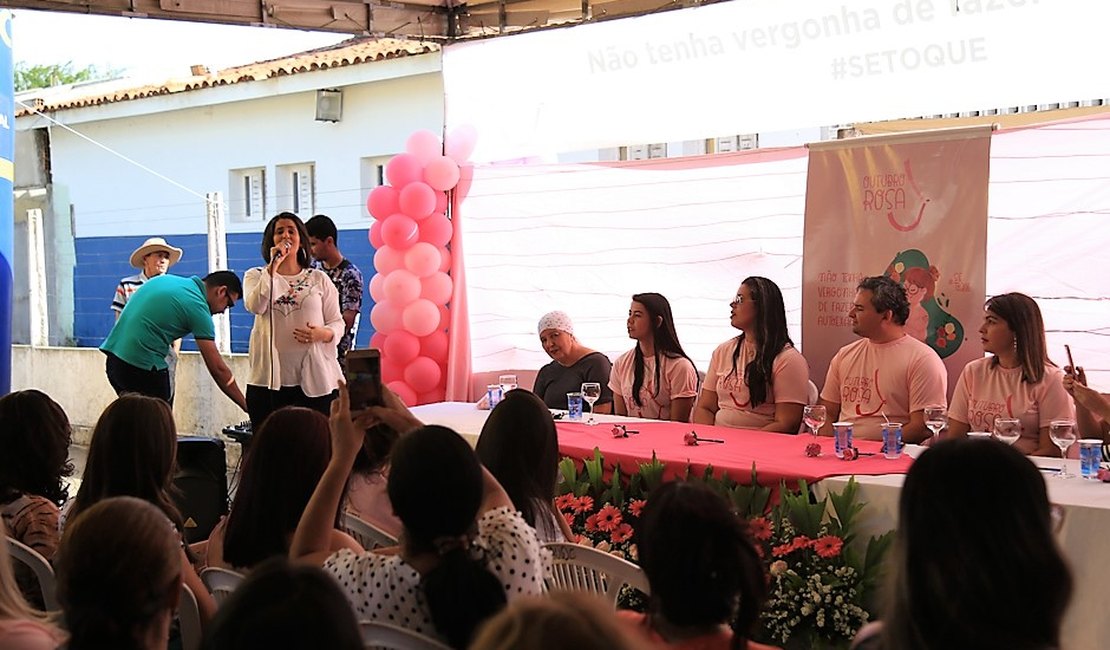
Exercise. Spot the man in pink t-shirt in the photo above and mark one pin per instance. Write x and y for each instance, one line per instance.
(886, 374)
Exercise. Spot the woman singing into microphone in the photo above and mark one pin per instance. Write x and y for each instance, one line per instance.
(297, 325)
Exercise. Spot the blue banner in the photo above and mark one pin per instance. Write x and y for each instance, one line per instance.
(7, 207)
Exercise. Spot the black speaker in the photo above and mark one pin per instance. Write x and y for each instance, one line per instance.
(201, 485)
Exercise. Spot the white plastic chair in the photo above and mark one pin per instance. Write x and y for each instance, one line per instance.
(581, 568)
(366, 533)
(44, 573)
(220, 582)
(188, 616)
(384, 635)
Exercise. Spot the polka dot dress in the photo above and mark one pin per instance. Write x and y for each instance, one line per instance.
(385, 588)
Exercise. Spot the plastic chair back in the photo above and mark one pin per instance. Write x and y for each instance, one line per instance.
(44, 573)
(220, 582)
(366, 533)
(384, 635)
(581, 568)
(188, 615)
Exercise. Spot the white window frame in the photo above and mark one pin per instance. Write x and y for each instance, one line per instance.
(246, 196)
(295, 189)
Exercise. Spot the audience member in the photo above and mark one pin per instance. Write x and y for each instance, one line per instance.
(446, 579)
(572, 365)
(558, 621)
(21, 626)
(35, 436)
(983, 571)
(133, 453)
(297, 325)
(287, 606)
(286, 459)
(1092, 409)
(706, 576)
(756, 380)
(367, 494)
(655, 379)
(119, 576)
(1017, 381)
(886, 375)
(323, 239)
(519, 446)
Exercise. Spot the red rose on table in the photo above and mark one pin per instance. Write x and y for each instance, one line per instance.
(813, 449)
(691, 438)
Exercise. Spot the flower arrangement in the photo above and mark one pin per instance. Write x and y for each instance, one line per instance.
(820, 582)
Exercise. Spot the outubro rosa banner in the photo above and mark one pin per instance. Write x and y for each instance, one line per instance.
(911, 206)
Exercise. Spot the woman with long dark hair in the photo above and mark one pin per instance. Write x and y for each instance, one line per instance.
(464, 551)
(756, 380)
(706, 576)
(519, 446)
(35, 435)
(655, 379)
(984, 570)
(297, 325)
(1017, 381)
(287, 457)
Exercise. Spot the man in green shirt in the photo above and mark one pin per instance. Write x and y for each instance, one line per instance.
(163, 310)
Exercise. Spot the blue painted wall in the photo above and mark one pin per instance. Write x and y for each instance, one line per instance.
(102, 262)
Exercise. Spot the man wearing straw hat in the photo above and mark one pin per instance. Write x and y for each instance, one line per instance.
(153, 258)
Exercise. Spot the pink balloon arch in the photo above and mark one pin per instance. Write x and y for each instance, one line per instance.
(413, 286)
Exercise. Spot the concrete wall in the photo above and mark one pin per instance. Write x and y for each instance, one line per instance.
(74, 377)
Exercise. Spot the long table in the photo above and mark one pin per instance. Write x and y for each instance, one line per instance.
(1084, 539)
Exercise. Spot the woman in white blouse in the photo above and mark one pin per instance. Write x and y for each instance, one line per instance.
(297, 325)
(465, 551)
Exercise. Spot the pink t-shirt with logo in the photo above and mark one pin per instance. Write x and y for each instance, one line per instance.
(872, 380)
(790, 374)
(679, 379)
(986, 391)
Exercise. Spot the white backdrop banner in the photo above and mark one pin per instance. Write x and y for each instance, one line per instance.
(765, 65)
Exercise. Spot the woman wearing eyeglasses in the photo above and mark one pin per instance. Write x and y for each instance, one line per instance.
(756, 380)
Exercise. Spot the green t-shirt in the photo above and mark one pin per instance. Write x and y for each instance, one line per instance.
(163, 310)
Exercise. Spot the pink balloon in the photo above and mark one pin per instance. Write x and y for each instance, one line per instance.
(401, 348)
(421, 317)
(466, 179)
(385, 317)
(399, 231)
(375, 235)
(407, 395)
(444, 260)
(377, 341)
(422, 259)
(441, 203)
(401, 287)
(436, 288)
(392, 371)
(460, 143)
(436, 230)
(424, 145)
(417, 200)
(432, 397)
(441, 173)
(377, 292)
(382, 201)
(388, 259)
(403, 169)
(423, 374)
(444, 318)
(435, 346)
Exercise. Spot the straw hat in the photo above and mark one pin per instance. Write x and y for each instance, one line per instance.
(151, 245)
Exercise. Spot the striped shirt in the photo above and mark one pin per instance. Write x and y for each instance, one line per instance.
(33, 520)
(127, 288)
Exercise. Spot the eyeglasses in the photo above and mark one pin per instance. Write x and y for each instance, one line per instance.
(739, 300)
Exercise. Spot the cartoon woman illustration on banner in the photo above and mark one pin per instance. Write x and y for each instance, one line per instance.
(929, 320)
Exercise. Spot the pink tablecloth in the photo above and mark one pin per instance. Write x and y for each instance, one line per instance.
(776, 456)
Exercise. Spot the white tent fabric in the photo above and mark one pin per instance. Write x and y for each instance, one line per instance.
(584, 238)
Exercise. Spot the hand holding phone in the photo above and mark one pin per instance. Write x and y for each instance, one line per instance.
(1071, 362)
(363, 374)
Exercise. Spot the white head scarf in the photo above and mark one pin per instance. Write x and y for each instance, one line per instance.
(556, 320)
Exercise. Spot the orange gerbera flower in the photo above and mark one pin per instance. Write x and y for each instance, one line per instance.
(761, 528)
(622, 533)
(608, 518)
(636, 506)
(828, 546)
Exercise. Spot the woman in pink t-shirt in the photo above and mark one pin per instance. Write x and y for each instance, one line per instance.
(655, 379)
(756, 380)
(1018, 381)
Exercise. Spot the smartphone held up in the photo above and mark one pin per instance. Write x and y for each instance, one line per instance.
(363, 374)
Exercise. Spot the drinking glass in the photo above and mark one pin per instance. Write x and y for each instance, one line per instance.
(508, 383)
(1007, 430)
(591, 392)
(1062, 433)
(936, 418)
(814, 417)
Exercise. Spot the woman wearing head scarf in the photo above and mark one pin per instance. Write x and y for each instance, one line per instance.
(572, 364)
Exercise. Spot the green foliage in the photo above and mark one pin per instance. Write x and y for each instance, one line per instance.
(28, 76)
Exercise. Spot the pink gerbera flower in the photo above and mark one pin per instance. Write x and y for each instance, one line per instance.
(636, 506)
(608, 518)
(761, 528)
(828, 546)
(622, 533)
